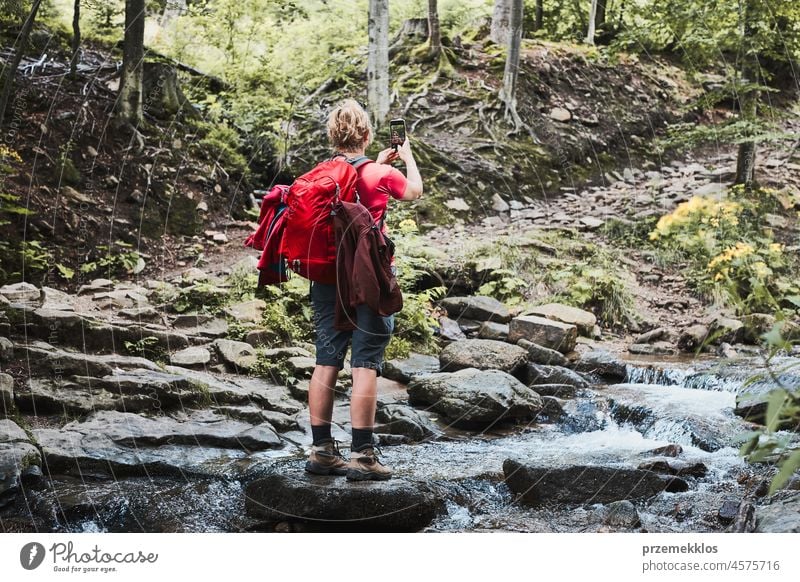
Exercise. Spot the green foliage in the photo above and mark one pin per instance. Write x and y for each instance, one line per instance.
(276, 371)
(288, 317)
(148, 347)
(237, 331)
(415, 324)
(504, 285)
(223, 144)
(241, 285)
(202, 298)
(771, 443)
(113, 261)
(594, 286)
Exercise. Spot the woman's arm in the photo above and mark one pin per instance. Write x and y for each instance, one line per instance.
(413, 177)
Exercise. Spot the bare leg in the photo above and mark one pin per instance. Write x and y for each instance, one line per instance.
(364, 398)
(320, 394)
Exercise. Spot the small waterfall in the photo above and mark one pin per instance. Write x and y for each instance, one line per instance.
(653, 375)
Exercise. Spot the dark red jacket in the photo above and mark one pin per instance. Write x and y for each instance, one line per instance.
(363, 266)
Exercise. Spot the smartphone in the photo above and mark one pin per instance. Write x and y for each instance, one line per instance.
(397, 131)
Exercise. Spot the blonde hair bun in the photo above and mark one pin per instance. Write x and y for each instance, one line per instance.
(349, 128)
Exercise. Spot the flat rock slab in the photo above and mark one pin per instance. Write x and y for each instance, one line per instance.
(17, 455)
(482, 354)
(583, 320)
(293, 495)
(46, 360)
(545, 332)
(476, 307)
(201, 442)
(603, 365)
(780, 516)
(405, 370)
(579, 483)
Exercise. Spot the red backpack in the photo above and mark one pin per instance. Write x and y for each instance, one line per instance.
(309, 240)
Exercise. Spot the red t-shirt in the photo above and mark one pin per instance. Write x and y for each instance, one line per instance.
(376, 183)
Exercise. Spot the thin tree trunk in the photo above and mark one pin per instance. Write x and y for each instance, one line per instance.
(11, 70)
(539, 20)
(130, 89)
(500, 30)
(76, 38)
(511, 73)
(434, 31)
(378, 61)
(746, 159)
(600, 15)
(592, 16)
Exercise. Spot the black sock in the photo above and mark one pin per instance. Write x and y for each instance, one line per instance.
(321, 433)
(362, 438)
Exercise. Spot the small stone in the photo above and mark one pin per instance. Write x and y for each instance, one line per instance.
(498, 204)
(457, 204)
(622, 514)
(727, 513)
(560, 114)
(191, 356)
(582, 319)
(450, 330)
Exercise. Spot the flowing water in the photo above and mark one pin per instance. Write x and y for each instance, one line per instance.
(688, 404)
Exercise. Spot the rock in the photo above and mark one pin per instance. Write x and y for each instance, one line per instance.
(540, 374)
(277, 354)
(21, 293)
(6, 349)
(755, 325)
(498, 204)
(560, 114)
(292, 494)
(673, 467)
(579, 483)
(96, 286)
(557, 390)
(493, 331)
(450, 330)
(301, 367)
(551, 409)
(476, 307)
(483, 355)
(255, 415)
(141, 314)
(398, 419)
(457, 204)
(246, 311)
(602, 364)
(134, 391)
(725, 330)
(654, 335)
(199, 442)
(545, 332)
(259, 337)
(473, 396)
(57, 300)
(194, 275)
(781, 515)
(654, 349)
(621, 514)
(693, 338)
(671, 450)
(46, 360)
(17, 455)
(190, 357)
(6, 395)
(469, 326)
(591, 223)
(408, 369)
(201, 325)
(729, 510)
(541, 355)
(583, 320)
(237, 354)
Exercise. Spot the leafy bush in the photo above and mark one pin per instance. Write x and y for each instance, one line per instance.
(147, 347)
(288, 316)
(596, 288)
(504, 285)
(201, 297)
(114, 261)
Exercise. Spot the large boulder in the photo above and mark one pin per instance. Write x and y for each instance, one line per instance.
(602, 364)
(472, 396)
(476, 307)
(246, 311)
(17, 457)
(782, 515)
(545, 332)
(199, 442)
(240, 355)
(293, 495)
(579, 483)
(21, 293)
(541, 355)
(397, 419)
(583, 320)
(538, 374)
(483, 355)
(406, 369)
(6, 395)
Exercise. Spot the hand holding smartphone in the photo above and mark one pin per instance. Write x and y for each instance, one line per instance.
(397, 131)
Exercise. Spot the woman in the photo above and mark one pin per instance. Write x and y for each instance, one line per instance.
(350, 133)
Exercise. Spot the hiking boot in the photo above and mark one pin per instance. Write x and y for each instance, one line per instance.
(325, 459)
(365, 466)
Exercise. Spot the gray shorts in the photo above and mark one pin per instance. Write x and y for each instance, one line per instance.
(369, 339)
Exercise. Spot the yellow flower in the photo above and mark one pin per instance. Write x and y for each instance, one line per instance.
(775, 248)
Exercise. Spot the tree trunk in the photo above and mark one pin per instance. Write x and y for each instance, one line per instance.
(76, 38)
(592, 16)
(10, 71)
(378, 62)
(501, 22)
(511, 73)
(600, 15)
(539, 19)
(130, 89)
(434, 31)
(746, 160)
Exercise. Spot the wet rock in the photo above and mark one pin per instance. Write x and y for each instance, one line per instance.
(674, 467)
(538, 374)
(246, 311)
(450, 330)
(621, 514)
(602, 364)
(407, 369)
(199, 442)
(673, 484)
(583, 320)
(579, 483)
(693, 338)
(255, 415)
(654, 335)
(293, 495)
(725, 330)
(541, 355)
(482, 355)
(493, 331)
(660, 348)
(755, 325)
(557, 390)
(473, 396)
(727, 513)
(545, 332)
(397, 419)
(95, 286)
(190, 357)
(6, 349)
(17, 455)
(6, 395)
(781, 515)
(667, 450)
(21, 293)
(476, 307)
(237, 354)
(551, 409)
